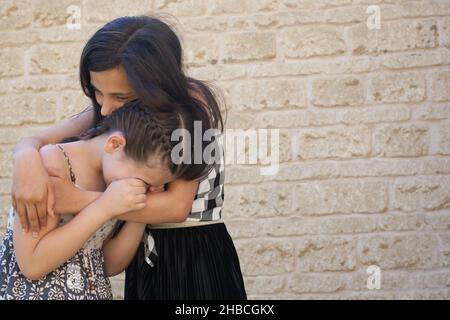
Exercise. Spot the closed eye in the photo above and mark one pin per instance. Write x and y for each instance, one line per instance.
(122, 99)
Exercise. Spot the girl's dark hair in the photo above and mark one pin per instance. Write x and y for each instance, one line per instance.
(147, 133)
(151, 54)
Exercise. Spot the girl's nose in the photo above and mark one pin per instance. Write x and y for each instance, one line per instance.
(106, 110)
(103, 111)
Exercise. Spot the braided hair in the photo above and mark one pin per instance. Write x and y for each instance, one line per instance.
(147, 132)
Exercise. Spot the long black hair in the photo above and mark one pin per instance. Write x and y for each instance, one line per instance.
(152, 56)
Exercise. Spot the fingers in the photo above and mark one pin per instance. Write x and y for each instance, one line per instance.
(50, 201)
(34, 220)
(41, 209)
(136, 182)
(141, 198)
(21, 211)
(140, 190)
(133, 182)
(154, 189)
(140, 206)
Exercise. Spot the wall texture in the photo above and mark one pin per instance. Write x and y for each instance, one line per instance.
(363, 115)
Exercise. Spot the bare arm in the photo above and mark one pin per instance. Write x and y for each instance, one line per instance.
(55, 245)
(170, 206)
(32, 199)
(69, 199)
(39, 255)
(120, 250)
(67, 128)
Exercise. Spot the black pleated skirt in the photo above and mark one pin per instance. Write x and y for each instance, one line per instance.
(194, 263)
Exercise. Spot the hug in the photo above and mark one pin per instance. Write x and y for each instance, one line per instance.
(105, 195)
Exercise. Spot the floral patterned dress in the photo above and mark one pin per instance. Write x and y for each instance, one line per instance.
(82, 277)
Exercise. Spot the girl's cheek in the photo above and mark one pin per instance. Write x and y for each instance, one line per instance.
(99, 98)
(107, 177)
(108, 171)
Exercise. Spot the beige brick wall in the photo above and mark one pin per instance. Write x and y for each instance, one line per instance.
(369, 109)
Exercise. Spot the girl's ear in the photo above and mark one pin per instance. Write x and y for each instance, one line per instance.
(114, 143)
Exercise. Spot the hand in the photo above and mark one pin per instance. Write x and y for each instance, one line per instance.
(123, 196)
(156, 189)
(32, 192)
(67, 196)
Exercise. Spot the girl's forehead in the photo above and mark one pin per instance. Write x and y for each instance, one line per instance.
(112, 80)
(155, 174)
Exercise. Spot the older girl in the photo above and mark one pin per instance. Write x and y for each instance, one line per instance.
(187, 252)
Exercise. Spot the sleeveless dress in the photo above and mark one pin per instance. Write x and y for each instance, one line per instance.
(82, 277)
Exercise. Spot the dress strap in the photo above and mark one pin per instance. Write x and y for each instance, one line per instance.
(72, 175)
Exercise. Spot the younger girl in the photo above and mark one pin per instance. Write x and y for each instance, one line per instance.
(73, 256)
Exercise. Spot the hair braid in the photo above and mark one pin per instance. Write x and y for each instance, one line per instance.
(161, 135)
(99, 129)
(147, 132)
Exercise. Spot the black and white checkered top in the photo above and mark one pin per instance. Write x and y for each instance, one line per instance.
(207, 205)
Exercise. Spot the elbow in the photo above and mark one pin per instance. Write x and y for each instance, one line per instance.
(113, 273)
(113, 268)
(110, 268)
(32, 273)
(182, 213)
(31, 270)
(108, 271)
(34, 276)
(30, 139)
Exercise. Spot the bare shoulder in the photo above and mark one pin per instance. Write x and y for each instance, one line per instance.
(51, 157)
